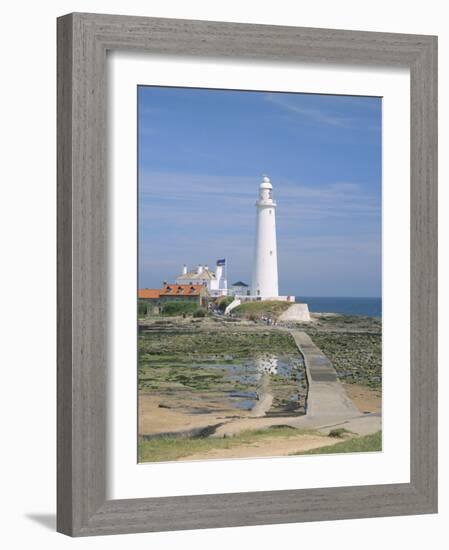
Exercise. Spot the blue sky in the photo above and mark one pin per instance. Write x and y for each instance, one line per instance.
(202, 154)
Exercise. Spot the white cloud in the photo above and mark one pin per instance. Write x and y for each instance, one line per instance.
(225, 203)
(318, 115)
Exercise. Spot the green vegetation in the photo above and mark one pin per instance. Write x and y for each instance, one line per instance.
(175, 376)
(186, 362)
(213, 343)
(180, 308)
(255, 310)
(167, 448)
(357, 357)
(142, 308)
(209, 365)
(339, 432)
(223, 304)
(200, 312)
(364, 444)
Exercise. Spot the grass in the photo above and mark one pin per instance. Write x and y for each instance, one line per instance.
(162, 449)
(364, 444)
(168, 448)
(258, 309)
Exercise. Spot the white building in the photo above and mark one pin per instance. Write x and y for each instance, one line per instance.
(265, 267)
(240, 288)
(215, 282)
(264, 285)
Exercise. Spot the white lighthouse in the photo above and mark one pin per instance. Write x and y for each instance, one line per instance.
(265, 268)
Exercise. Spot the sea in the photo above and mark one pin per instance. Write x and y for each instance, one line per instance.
(368, 307)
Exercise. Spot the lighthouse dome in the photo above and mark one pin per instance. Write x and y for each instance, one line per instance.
(266, 183)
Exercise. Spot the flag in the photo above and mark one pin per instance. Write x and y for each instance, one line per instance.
(221, 262)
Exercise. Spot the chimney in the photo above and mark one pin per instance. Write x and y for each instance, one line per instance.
(200, 269)
(184, 269)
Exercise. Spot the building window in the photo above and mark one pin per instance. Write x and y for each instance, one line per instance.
(269, 211)
(271, 253)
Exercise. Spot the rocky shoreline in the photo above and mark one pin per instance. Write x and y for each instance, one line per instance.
(197, 373)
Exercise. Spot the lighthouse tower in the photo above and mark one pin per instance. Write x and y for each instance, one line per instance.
(265, 268)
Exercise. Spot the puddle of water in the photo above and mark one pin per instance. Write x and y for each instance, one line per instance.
(243, 394)
(245, 404)
(238, 380)
(250, 371)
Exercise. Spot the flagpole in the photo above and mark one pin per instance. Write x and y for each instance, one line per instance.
(226, 275)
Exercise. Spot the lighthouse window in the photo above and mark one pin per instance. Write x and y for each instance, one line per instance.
(271, 253)
(269, 211)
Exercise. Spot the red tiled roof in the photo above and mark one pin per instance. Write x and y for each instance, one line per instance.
(181, 290)
(149, 292)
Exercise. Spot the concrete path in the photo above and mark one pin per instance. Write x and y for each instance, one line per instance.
(328, 406)
(265, 401)
(326, 396)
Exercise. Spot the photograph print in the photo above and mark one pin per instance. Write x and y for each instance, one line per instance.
(259, 305)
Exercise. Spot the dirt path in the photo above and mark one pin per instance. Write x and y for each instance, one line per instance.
(269, 447)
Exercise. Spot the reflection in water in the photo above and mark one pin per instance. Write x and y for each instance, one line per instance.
(212, 383)
(266, 365)
(249, 373)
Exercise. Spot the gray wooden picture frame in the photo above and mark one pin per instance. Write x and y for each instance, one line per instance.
(83, 40)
